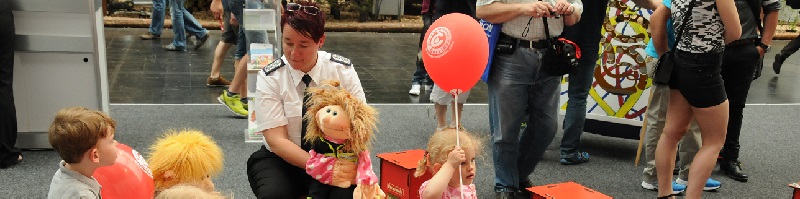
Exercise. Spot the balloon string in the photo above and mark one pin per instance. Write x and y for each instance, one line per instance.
(458, 143)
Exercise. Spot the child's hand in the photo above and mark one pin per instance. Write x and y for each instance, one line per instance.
(456, 157)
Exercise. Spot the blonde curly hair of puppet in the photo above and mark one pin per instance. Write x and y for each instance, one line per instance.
(442, 143)
(363, 117)
(190, 154)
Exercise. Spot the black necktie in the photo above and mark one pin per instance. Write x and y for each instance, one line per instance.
(303, 144)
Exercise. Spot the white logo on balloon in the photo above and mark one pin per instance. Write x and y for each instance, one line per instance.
(440, 41)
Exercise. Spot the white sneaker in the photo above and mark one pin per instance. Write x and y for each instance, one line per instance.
(414, 89)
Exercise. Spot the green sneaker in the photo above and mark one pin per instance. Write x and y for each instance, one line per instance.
(232, 103)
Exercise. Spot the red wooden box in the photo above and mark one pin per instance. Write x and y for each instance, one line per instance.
(570, 190)
(397, 173)
(796, 187)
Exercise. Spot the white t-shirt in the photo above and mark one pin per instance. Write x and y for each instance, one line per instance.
(279, 94)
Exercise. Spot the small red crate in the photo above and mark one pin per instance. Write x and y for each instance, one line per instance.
(565, 190)
(397, 173)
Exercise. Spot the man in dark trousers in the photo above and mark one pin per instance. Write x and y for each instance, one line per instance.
(420, 76)
(9, 155)
(738, 65)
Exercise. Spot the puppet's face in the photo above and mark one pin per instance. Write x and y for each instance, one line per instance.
(334, 122)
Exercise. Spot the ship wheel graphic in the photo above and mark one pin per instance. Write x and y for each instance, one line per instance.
(622, 50)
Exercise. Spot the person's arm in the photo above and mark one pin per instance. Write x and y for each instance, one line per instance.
(498, 12)
(352, 83)
(216, 8)
(647, 4)
(658, 29)
(279, 143)
(730, 19)
(571, 11)
(770, 25)
(438, 183)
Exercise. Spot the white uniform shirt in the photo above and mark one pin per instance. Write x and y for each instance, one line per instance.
(279, 95)
(532, 29)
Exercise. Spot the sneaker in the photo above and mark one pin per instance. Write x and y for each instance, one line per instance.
(219, 81)
(711, 184)
(676, 188)
(579, 158)
(201, 41)
(414, 89)
(149, 36)
(172, 47)
(233, 103)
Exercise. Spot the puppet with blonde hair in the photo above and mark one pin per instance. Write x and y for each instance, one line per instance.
(340, 129)
(186, 157)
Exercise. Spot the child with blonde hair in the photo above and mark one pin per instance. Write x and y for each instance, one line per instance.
(443, 158)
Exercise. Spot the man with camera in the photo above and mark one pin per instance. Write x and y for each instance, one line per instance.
(518, 86)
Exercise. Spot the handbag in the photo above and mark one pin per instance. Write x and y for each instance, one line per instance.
(561, 55)
(492, 33)
(666, 62)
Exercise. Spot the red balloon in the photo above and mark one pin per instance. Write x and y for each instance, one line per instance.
(129, 177)
(455, 52)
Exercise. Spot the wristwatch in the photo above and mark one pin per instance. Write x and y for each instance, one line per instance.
(764, 46)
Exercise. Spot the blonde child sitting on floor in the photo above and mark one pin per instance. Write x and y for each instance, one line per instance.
(443, 158)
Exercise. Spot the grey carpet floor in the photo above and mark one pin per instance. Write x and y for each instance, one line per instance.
(769, 144)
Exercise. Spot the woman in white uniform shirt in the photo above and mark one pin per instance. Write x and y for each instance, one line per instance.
(277, 170)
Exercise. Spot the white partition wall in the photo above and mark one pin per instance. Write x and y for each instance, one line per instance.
(60, 61)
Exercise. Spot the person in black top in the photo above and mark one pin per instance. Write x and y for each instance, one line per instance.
(738, 65)
(9, 154)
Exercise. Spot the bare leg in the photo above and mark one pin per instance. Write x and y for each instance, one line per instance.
(219, 57)
(713, 122)
(441, 114)
(679, 114)
(239, 83)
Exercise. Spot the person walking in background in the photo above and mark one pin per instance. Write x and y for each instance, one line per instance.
(518, 88)
(738, 65)
(221, 10)
(420, 76)
(657, 111)
(787, 51)
(157, 24)
(235, 97)
(9, 154)
(697, 90)
(181, 18)
(586, 34)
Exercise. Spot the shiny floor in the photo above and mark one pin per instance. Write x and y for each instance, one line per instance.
(140, 72)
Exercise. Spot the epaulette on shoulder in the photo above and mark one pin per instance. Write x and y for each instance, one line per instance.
(340, 59)
(275, 65)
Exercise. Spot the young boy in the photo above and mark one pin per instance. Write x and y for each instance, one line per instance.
(85, 141)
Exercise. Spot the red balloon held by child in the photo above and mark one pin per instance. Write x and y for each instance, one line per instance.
(129, 177)
(455, 52)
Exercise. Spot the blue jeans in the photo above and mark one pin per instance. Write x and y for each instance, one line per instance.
(586, 34)
(181, 18)
(421, 75)
(157, 18)
(518, 88)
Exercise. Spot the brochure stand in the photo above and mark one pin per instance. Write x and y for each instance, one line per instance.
(261, 27)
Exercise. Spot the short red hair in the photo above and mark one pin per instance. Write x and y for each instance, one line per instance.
(312, 26)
